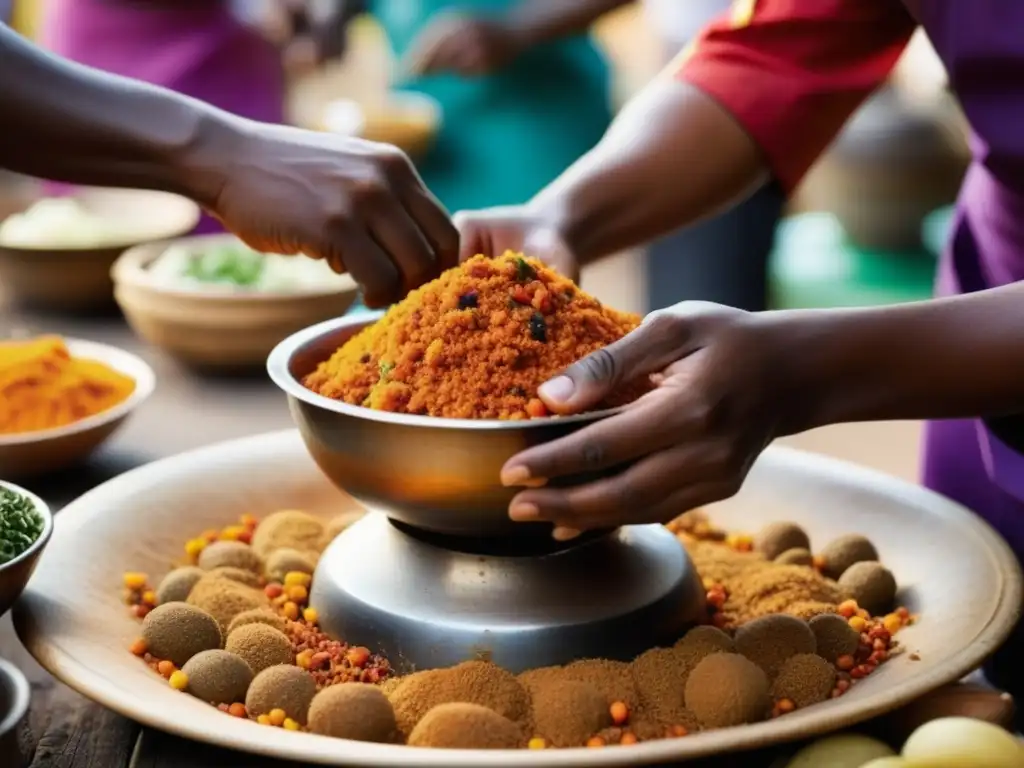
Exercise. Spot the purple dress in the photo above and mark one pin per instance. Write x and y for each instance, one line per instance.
(200, 49)
(981, 463)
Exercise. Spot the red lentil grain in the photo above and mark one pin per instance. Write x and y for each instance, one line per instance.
(595, 742)
(238, 710)
(139, 647)
(628, 738)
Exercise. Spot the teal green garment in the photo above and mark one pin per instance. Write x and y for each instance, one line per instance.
(506, 136)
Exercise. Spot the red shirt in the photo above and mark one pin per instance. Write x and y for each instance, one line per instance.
(793, 71)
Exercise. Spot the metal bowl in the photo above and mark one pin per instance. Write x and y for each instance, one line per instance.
(15, 696)
(437, 474)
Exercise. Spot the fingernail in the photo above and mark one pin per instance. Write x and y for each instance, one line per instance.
(561, 533)
(558, 390)
(515, 475)
(523, 513)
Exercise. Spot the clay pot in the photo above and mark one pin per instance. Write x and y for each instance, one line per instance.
(890, 167)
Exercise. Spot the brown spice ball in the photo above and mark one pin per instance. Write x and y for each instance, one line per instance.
(613, 678)
(727, 689)
(288, 529)
(354, 711)
(660, 675)
(770, 640)
(282, 687)
(230, 554)
(258, 616)
(568, 712)
(835, 636)
(224, 599)
(388, 686)
(796, 556)
(872, 585)
(804, 679)
(218, 677)
(777, 538)
(474, 682)
(240, 575)
(261, 646)
(176, 585)
(701, 641)
(459, 725)
(177, 631)
(844, 552)
(283, 561)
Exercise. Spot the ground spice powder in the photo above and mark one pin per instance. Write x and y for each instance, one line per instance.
(756, 587)
(475, 344)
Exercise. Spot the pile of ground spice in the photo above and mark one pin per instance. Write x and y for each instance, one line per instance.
(475, 344)
(779, 637)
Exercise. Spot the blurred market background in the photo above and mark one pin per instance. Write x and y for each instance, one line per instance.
(865, 228)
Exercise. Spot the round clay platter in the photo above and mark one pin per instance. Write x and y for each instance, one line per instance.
(952, 569)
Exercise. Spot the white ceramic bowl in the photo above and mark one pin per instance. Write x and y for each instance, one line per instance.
(25, 454)
(67, 279)
(217, 328)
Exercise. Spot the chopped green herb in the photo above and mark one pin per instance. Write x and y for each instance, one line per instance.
(20, 524)
(228, 264)
(385, 368)
(524, 272)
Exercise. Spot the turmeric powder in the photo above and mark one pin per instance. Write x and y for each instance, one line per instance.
(42, 386)
(475, 344)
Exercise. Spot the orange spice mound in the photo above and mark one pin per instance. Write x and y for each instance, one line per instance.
(42, 386)
(475, 344)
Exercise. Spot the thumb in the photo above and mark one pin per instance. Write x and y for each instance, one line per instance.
(657, 343)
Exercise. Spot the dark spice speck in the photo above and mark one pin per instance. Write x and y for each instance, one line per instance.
(538, 328)
(469, 300)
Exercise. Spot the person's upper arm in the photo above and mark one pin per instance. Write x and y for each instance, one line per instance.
(793, 71)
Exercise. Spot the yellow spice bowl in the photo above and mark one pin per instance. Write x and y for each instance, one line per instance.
(77, 280)
(28, 454)
(213, 329)
(410, 121)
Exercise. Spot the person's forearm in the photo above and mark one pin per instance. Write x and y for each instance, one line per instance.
(947, 358)
(538, 21)
(672, 156)
(71, 123)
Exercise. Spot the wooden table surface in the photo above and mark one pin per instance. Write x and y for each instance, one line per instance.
(66, 730)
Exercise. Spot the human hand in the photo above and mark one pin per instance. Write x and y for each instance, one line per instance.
(515, 228)
(464, 45)
(720, 399)
(357, 204)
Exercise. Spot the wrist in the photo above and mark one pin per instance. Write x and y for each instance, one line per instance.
(200, 163)
(556, 210)
(803, 366)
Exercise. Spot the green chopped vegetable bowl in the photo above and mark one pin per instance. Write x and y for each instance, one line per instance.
(25, 528)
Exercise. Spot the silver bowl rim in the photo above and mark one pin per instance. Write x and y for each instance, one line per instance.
(278, 368)
(37, 546)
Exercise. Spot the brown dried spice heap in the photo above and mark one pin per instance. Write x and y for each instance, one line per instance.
(764, 658)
